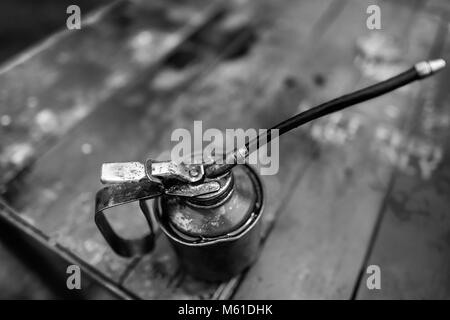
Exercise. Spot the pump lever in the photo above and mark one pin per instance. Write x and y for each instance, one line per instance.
(189, 173)
(159, 171)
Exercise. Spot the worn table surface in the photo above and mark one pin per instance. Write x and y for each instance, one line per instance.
(366, 186)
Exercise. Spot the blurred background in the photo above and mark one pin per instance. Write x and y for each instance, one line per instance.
(365, 186)
(24, 23)
(24, 266)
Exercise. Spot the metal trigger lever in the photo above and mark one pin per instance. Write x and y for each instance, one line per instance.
(134, 181)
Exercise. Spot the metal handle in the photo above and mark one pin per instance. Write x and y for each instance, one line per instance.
(120, 194)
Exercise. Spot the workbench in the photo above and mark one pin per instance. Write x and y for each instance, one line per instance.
(366, 186)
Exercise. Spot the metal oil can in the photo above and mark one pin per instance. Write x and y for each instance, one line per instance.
(211, 211)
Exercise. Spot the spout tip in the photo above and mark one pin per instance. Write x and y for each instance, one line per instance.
(437, 65)
(428, 68)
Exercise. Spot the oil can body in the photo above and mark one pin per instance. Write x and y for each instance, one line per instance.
(216, 236)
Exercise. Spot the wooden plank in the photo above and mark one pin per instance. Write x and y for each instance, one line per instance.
(23, 23)
(57, 194)
(242, 93)
(18, 281)
(438, 7)
(48, 259)
(48, 89)
(320, 239)
(34, 267)
(412, 245)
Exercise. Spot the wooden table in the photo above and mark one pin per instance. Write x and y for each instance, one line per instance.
(366, 186)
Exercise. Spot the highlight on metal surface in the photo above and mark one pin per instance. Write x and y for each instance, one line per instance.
(121, 172)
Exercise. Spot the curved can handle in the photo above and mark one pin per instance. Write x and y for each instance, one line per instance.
(123, 193)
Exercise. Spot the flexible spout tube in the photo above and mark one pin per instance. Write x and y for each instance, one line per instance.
(419, 71)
